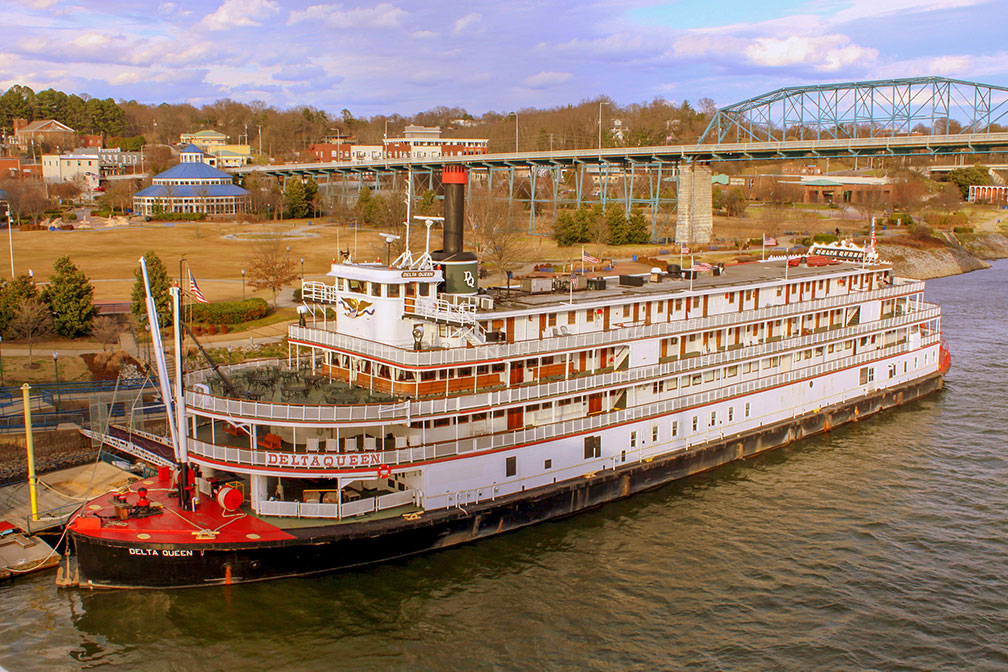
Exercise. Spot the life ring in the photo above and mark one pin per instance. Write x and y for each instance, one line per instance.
(384, 471)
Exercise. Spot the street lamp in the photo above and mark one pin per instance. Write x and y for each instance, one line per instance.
(302, 268)
(243, 284)
(288, 254)
(59, 400)
(230, 348)
(389, 237)
(601, 103)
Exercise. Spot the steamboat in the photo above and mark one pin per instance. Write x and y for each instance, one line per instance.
(416, 411)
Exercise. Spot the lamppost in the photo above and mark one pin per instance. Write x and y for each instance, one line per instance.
(302, 269)
(59, 400)
(288, 256)
(230, 348)
(243, 284)
(601, 103)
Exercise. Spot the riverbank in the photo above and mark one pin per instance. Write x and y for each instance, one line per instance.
(933, 259)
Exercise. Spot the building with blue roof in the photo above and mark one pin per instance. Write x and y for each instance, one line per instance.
(192, 186)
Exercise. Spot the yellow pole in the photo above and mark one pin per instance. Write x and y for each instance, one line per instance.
(31, 452)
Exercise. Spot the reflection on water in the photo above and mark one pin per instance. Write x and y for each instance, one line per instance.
(881, 545)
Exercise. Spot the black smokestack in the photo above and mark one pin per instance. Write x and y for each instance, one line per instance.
(454, 180)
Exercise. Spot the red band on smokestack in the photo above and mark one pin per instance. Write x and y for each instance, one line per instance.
(454, 175)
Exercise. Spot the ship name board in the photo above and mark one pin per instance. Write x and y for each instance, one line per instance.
(324, 461)
(417, 274)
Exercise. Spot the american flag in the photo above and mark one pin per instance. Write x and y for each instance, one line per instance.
(873, 234)
(770, 241)
(589, 259)
(195, 290)
(701, 267)
(684, 250)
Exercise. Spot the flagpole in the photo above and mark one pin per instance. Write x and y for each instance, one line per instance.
(692, 273)
(763, 251)
(582, 260)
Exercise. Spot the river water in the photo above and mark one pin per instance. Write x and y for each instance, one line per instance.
(883, 545)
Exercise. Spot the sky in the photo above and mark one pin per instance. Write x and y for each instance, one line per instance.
(406, 57)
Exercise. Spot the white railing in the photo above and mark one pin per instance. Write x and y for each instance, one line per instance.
(278, 508)
(248, 457)
(311, 336)
(333, 510)
(318, 510)
(358, 508)
(439, 309)
(318, 292)
(376, 414)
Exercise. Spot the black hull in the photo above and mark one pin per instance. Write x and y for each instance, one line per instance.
(113, 564)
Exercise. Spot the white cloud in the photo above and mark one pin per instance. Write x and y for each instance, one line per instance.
(42, 4)
(384, 15)
(871, 9)
(467, 24)
(239, 13)
(423, 34)
(544, 80)
(823, 52)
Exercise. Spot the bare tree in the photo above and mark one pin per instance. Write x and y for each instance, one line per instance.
(270, 267)
(496, 226)
(870, 202)
(106, 331)
(31, 320)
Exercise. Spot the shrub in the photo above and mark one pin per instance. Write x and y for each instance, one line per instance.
(180, 216)
(962, 229)
(822, 238)
(211, 329)
(230, 312)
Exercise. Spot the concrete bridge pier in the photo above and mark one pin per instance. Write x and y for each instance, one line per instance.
(694, 215)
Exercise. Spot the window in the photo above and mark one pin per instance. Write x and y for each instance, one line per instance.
(747, 409)
(633, 439)
(592, 447)
(393, 291)
(654, 433)
(695, 422)
(510, 466)
(548, 464)
(675, 428)
(867, 375)
(713, 418)
(731, 413)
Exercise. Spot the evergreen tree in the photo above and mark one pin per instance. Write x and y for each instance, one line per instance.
(573, 227)
(616, 224)
(637, 232)
(160, 283)
(295, 198)
(70, 297)
(11, 294)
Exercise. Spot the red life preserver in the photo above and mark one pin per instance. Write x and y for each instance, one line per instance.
(384, 471)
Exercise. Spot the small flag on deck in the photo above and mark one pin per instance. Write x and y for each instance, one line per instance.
(684, 250)
(588, 259)
(195, 290)
(770, 241)
(873, 234)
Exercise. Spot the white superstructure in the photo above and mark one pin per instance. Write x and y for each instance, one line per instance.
(397, 396)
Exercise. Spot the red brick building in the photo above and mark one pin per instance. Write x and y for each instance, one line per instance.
(43, 132)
